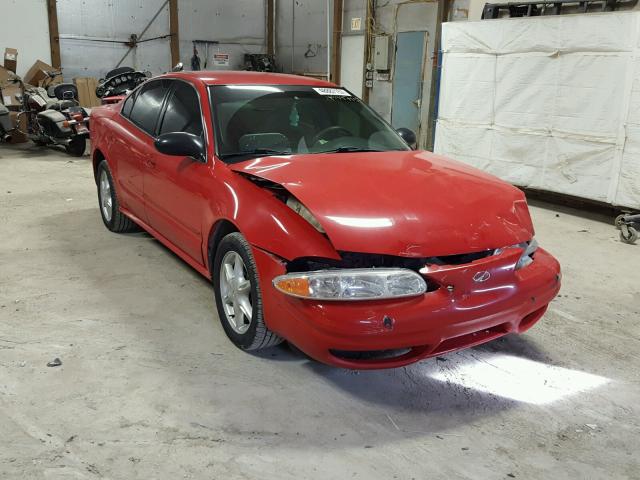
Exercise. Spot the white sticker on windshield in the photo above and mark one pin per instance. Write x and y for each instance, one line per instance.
(335, 92)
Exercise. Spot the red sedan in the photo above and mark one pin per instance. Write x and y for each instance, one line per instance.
(316, 221)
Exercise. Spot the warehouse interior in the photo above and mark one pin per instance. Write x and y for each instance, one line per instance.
(113, 359)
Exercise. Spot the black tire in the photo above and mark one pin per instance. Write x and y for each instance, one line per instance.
(257, 336)
(118, 223)
(77, 146)
(628, 235)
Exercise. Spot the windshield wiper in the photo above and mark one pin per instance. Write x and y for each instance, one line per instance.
(350, 150)
(255, 151)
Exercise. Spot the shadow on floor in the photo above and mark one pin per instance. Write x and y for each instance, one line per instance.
(51, 153)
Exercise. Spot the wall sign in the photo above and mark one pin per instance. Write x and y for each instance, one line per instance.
(356, 23)
(221, 59)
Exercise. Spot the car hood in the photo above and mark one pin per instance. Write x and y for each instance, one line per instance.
(414, 203)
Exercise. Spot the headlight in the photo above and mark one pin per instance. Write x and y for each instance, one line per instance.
(352, 284)
(304, 212)
(527, 255)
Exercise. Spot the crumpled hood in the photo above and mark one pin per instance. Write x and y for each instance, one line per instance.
(415, 204)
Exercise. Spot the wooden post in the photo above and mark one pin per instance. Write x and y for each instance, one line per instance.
(368, 42)
(174, 31)
(442, 17)
(54, 35)
(336, 48)
(271, 46)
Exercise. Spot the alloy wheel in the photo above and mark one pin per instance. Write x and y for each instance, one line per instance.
(106, 201)
(235, 291)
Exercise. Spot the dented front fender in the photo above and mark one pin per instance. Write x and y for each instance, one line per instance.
(264, 220)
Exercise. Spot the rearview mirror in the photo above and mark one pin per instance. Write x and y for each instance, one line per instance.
(181, 144)
(408, 136)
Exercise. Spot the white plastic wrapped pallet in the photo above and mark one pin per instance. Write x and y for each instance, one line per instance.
(551, 103)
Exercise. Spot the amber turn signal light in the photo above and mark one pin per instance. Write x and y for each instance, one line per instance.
(297, 286)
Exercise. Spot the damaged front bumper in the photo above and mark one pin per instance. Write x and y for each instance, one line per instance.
(472, 303)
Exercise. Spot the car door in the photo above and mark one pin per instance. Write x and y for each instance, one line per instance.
(134, 144)
(174, 186)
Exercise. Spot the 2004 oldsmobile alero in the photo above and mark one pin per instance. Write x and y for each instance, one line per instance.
(315, 220)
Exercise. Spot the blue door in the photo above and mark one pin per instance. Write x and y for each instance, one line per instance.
(407, 80)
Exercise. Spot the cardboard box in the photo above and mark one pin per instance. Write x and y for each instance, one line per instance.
(6, 78)
(11, 59)
(8, 93)
(18, 136)
(87, 91)
(5, 75)
(37, 75)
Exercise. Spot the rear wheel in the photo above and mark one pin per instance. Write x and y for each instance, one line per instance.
(628, 234)
(238, 296)
(77, 146)
(112, 217)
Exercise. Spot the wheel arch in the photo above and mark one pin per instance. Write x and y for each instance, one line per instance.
(218, 231)
(97, 157)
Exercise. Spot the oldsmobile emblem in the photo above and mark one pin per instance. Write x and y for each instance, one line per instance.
(481, 277)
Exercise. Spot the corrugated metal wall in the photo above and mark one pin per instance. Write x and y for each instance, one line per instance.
(80, 21)
(302, 23)
(238, 25)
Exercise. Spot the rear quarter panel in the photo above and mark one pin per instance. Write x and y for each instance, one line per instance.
(101, 118)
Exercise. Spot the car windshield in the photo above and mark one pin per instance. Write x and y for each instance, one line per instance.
(257, 120)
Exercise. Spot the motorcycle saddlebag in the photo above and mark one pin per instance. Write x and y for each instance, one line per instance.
(52, 121)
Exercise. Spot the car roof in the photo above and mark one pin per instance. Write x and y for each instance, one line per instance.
(231, 77)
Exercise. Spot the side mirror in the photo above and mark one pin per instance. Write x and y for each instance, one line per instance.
(181, 144)
(408, 136)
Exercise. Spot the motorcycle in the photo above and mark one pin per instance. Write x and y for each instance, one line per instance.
(118, 83)
(54, 116)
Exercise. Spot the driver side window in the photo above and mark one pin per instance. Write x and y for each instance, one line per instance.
(183, 112)
(148, 103)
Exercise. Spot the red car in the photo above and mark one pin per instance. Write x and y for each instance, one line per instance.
(316, 221)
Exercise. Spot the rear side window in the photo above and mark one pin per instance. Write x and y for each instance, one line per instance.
(183, 112)
(147, 106)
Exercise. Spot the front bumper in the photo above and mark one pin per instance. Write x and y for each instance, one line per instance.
(460, 314)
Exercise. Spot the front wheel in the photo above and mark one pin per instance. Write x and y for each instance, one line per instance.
(76, 146)
(238, 296)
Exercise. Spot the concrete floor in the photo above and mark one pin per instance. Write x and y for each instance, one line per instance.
(150, 387)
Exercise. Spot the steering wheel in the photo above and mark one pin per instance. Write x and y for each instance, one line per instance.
(332, 132)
